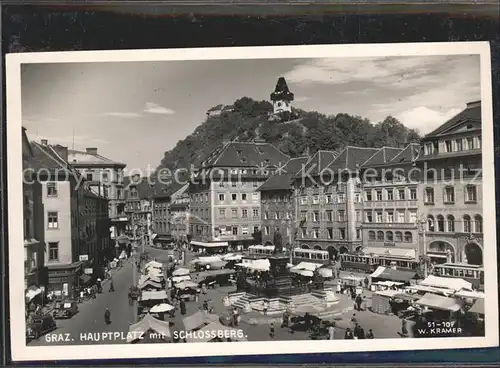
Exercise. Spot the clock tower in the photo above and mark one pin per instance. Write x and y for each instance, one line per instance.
(282, 100)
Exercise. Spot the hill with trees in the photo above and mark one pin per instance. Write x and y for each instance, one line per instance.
(313, 131)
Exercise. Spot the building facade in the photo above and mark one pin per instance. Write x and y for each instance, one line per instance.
(161, 219)
(390, 220)
(104, 177)
(180, 215)
(35, 272)
(452, 189)
(224, 196)
(278, 204)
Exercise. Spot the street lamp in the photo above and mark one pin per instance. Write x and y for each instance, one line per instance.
(421, 224)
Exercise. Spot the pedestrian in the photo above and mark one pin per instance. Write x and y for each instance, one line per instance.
(354, 319)
(348, 334)
(339, 288)
(367, 282)
(183, 307)
(361, 333)
(205, 306)
(111, 286)
(369, 335)
(196, 297)
(107, 316)
(286, 318)
(265, 307)
(235, 316)
(204, 289)
(404, 330)
(358, 302)
(331, 331)
(82, 294)
(271, 330)
(363, 304)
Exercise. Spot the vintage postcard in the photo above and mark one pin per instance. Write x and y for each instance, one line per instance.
(256, 198)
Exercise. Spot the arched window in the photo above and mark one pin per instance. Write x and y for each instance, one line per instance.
(371, 235)
(450, 224)
(317, 247)
(398, 236)
(478, 224)
(467, 227)
(408, 237)
(440, 223)
(431, 226)
(380, 235)
(389, 236)
(304, 246)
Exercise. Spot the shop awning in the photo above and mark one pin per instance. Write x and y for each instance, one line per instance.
(148, 323)
(395, 275)
(153, 295)
(309, 266)
(209, 245)
(214, 329)
(478, 307)
(85, 278)
(305, 273)
(469, 294)
(208, 260)
(429, 289)
(387, 293)
(455, 284)
(150, 283)
(195, 321)
(260, 265)
(377, 272)
(434, 301)
(181, 278)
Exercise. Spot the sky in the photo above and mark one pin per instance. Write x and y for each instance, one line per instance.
(135, 111)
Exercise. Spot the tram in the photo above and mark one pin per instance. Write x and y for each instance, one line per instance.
(369, 263)
(471, 273)
(311, 255)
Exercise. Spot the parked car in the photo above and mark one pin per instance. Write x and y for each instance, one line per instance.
(40, 326)
(65, 309)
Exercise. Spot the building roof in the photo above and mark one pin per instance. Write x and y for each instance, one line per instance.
(382, 157)
(283, 179)
(92, 158)
(472, 113)
(317, 163)
(44, 157)
(282, 92)
(407, 155)
(246, 154)
(351, 158)
(216, 108)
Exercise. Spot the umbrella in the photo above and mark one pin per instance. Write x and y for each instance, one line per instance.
(306, 273)
(162, 308)
(181, 272)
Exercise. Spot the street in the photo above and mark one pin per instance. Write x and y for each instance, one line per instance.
(90, 318)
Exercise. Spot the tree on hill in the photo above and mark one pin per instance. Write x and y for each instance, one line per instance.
(313, 131)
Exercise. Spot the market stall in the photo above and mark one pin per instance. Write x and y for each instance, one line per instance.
(382, 301)
(440, 303)
(195, 321)
(149, 329)
(390, 274)
(449, 283)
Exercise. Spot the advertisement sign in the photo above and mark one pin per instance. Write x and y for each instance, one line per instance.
(88, 271)
(65, 289)
(83, 257)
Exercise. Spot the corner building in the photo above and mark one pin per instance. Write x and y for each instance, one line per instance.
(452, 189)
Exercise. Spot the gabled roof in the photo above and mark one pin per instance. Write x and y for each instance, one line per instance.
(283, 179)
(318, 162)
(246, 154)
(382, 157)
(471, 113)
(89, 158)
(351, 158)
(44, 157)
(407, 155)
(216, 108)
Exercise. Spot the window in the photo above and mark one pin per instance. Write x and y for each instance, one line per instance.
(378, 217)
(330, 232)
(90, 176)
(428, 149)
(316, 233)
(235, 230)
(429, 195)
(52, 189)
(315, 199)
(459, 145)
(470, 143)
(221, 184)
(450, 224)
(401, 216)
(358, 234)
(380, 235)
(221, 197)
(478, 143)
(244, 230)
(389, 236)
(379, 195)
(255, 184)
(368, 195)
(222, 213)
(315, 216)
(276, 215)
(449, 195)
(342, 233)
(52, 220)
(408, 237)
(447, 146)
(303, 200)
(413, 216)
(413, 194)
(206, 197)
(243, 196)
(430, 224)
(234, 197)
(266, 215)
(255, 229)
(390, 195)
(244, 213)
(467, 224)
(329, 198)
(53, 251)
(401, 194)
(471, 193)
(358, 215)
(368, 216)
(341, 216)
(255, 212)
(357, 198)
(398, 236)
(341, 198)
(440, 223)
(478, 224)
(255, 196)
(234, 213)
(329, 216)
(390, 216)
(371, 235)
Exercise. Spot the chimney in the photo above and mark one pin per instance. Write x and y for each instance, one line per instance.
(44, 142)
(474, 104)
(92, 150)
(61, 151)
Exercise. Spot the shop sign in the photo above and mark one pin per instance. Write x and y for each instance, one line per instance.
(88, 271)
(83, 257)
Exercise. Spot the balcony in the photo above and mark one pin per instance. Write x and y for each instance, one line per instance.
(391, 204)
(390, 225)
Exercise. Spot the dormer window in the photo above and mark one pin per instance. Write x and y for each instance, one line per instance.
(470, 126)
(266, 161)
(238, 152)
(243, 160)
